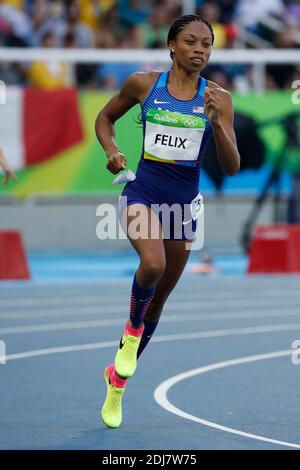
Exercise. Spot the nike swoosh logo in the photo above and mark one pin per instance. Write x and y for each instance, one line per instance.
(121, 344)
(161, 102)
(187, 222)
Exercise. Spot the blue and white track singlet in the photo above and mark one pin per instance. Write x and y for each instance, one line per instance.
(175, 136)
(176, 133)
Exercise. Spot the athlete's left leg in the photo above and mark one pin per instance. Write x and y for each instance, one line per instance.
(177, 253)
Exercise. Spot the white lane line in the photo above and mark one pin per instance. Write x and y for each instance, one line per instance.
(211, 334)
(70, 299)
(23, 288)
(174, 306)
(120, 321)
(62, 349)
(160, 395)
(158, 339)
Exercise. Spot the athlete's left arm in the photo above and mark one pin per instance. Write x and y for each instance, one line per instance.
(219, 109)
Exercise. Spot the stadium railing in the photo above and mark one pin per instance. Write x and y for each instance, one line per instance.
(257, 58)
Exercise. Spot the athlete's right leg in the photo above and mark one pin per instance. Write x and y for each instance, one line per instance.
(152, 265)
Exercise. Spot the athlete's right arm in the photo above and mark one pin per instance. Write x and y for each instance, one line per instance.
(129, 95)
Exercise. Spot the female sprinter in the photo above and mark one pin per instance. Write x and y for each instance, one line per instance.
(180, 110)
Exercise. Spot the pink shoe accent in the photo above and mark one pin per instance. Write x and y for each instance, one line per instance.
(134, 331)
(114, 379)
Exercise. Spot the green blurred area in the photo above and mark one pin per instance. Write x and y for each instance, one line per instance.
(82, 168)
(272, 105)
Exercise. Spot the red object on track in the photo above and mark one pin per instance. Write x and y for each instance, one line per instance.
(13, 262)
(275, 249)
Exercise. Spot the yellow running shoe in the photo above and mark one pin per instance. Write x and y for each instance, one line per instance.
(126, 357)
(111, 412)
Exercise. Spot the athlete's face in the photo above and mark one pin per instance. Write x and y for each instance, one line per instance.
(192, 46)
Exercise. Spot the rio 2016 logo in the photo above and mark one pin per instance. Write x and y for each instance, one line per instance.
(189, 122)
(296, 94)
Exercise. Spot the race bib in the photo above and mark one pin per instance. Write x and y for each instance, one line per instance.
(172, 136)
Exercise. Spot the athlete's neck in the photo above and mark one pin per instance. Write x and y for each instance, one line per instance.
(181, 81)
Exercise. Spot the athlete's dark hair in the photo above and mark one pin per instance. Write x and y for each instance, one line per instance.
(181, 22)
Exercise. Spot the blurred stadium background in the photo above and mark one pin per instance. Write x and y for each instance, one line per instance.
(59, 64)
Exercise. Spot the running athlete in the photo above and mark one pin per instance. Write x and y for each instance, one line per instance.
(180, 110)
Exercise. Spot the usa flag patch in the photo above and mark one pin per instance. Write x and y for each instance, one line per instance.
(198, 109)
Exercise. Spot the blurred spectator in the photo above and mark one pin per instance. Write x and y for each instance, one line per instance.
(69, 41)
(90, 11)
(292, 15)
(111, 76)
(156, 29)
(48, 75)
(212, 13)
(228, 8)
(281, 76)
(40, 12)
(224, 35)
(19, 4)
(108, 29)
(249, 12)
(84, 73)
(132, 12)
(133, 15)
(17, 26)
(285, 39)
(15, 30)
(218, 74)
(84, 36)
(60, 20)
(5, 29)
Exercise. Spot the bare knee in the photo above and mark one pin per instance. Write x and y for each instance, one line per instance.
(152, 269)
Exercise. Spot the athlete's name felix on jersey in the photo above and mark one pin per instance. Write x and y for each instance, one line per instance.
(170, 141)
